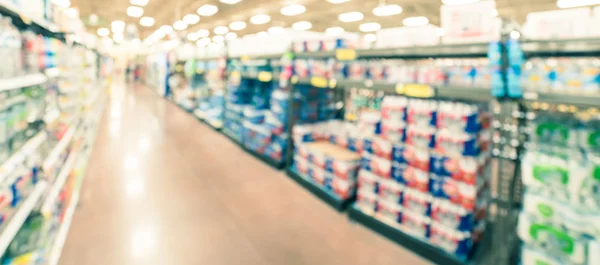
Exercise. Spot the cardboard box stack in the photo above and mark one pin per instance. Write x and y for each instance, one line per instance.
(330, 166)
(424, 171)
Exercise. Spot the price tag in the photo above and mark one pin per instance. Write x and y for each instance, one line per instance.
(415, 90)
(265, 76)
(294, 79)
(350, 116)
(345, 54)
(332, 83)
(320, 82)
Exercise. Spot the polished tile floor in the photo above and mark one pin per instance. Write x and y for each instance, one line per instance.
(163, 188)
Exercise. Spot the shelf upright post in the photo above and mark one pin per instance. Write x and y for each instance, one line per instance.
(291, 82)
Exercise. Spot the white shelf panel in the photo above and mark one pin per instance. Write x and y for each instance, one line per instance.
(59, 182)
(22, 81)
(63, 230)
(18, 157)
(50, 161)
(19, 217)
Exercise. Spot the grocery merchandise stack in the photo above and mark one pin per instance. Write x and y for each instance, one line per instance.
(211, 100)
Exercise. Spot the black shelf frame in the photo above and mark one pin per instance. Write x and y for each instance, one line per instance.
(327, 197)
(455, 50)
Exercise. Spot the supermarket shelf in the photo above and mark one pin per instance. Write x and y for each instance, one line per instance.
(420, 247)
(57, 186)
(231, 137)
(585, 101)
(19, 217)
(17, 158)
(460, 50)
(201, 116)
(326, 196)
(273, 56)
(22, 81)
(269, 161)
(63, 230)
(561, 47)
(60, 147)
(52, 72)
(255, 76)
(9, 8)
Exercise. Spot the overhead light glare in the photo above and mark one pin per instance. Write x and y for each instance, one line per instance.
(515, 34)
(191, 19)
(117, 26)
(387, 10)
(147, 21)
(231, 36)
(221, 30)
(180, 25)
(370, 37)
(576, 3)
(495, 13)
(62, 3)
(118, 37)
(237, 25)
(273, 30)
(458, 2)
(337, 1)
(207, 10)
(103, 32)
(415, 21)
(135, 11)
(260, 19)
(351, 17)
(230, 2)
(138, 2)
(335, 31)
(192, 36)
(218, 39)
(203, 33)
(369, 27)
(302, 25)
(203, 42)
(262, 34)
(166, 29)
(293, 10)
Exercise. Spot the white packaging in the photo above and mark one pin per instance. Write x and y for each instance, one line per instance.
(557, 24)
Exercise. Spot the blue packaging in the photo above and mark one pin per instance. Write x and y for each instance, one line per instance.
(399, 154)
(451, 215)
(452, 241)
(398, 171)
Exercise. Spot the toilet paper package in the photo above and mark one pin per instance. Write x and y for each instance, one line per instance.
(469, 170)
(454, 216)
(412, 177)
(417, 201)
(389, 211)
(421, 137)
(388, 190)
(394, 131)
(458, 144)
(415, 224)
(368, 181)
(393, 108)
(378, 147)
(414, 157)
(422, 113)
(452, 241)
(379, 166)
(465, 195)
(366, 200)
(461, 117)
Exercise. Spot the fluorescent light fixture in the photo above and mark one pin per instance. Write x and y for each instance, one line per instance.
(207, 10)
(264, 34)
(103, 32)
(147, 21)
(192, 36)
(117, 26)
(576, 3)
(237, 25)
(337, 1)
(371, 37)
(369, 27)
(118, 37)
(293, 10)
(515, 34)
(203, 33)
(221, 30)
(458, 2)
(166, 29)
(230, 2)
(203, 42)
(274, 30)
(135, 11)
(218, 39)
(495, 13)
(302, 25)
(180, 25)
(191, 19)
(231, 36)
(351, 17)
(335, 31)
(440, 32)
(387, 10)
(260, 19)
(415, 21)
(138, 2)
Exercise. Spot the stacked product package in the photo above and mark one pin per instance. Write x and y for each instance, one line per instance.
(238, 98)
(560, 219)
(562, 75)
(212, 104)
(255, 133)
(323, 159)
(423, 172)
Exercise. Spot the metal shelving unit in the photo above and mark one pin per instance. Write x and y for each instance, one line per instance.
(543, 48)
(459, 50)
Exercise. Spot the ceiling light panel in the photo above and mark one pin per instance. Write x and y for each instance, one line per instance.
(274, 30)
(458, 2)
(337, 1)
(135, 11)
(218, 39)
(263, 34)
(193, 36)
(117, 26)
(237, 25)
(370, 37)
(293, 10)
(231, 36)
(207, 10)
(220, 30)
(230, 2)
(147, 21)
(191, 19)
(260, 19)
(369, 27)
(203, 42)
(576, 3)
(387, 10)
(103, 32)
(351, 17)
(415, 21)
(335, 31)
(166, 29)
(138, 2)
(180, 25)
(302, 25)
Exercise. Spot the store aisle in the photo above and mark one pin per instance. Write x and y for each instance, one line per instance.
(163, 188)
